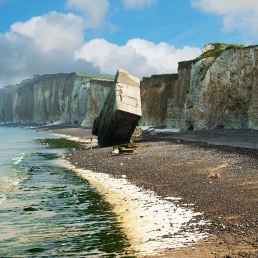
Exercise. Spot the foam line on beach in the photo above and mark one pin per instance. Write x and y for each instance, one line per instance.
(151, 224)
(2, 198)
(17, 160)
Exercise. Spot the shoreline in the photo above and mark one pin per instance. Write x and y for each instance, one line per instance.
(228, 202)
(151, 224)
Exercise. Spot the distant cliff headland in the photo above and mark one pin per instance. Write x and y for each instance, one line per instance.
(217, 89)
(54, 98)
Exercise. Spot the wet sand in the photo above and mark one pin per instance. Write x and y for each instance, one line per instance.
(217, 170)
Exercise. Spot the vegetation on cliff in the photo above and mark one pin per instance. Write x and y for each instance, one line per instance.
(217, 50)
(100, 76)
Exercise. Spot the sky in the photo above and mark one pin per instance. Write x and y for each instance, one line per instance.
(144, 37)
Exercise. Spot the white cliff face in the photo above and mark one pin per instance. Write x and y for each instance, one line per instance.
(80, 95)
(199, 82)
(98, 92)
(62, 98)
(223, 92)
(51, 100)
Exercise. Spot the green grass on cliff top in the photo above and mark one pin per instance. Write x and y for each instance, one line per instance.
(38, 77)
(219, 48)
(15, 86)
(99, 76)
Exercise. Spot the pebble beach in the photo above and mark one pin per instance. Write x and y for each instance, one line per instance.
(211, 175)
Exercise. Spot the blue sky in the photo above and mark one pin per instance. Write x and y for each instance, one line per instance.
(144, 37)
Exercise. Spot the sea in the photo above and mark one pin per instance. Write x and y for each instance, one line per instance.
(46, 210)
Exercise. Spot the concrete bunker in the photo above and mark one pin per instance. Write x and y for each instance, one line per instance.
(121, 112)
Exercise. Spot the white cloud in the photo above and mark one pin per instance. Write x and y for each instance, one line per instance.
(237, 14)
(130, 4)
(94, 10)
(140, 57)
(54, 43)
(44, 44)
(50, 32)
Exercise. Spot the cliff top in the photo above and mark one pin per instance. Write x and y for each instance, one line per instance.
(36, 78)
(215, 49)
(97, 77)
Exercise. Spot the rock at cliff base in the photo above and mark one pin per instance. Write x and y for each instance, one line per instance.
(121, 112)
(137, 134)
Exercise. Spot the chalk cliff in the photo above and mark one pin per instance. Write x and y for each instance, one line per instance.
(96, 99)
(218, 89)
(155, 92)
(223, 91)
(53, 98)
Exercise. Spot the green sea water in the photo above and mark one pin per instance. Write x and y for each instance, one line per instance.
(47, 210)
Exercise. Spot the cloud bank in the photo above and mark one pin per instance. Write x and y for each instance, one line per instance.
(44, 44)
(54, 43)
(140, 57)
(237, 14)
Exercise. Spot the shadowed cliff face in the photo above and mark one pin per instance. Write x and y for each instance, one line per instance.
(163, 97)
(155, 92)
(176, 102)
(6, 106)
(49, 98)
(96, 99)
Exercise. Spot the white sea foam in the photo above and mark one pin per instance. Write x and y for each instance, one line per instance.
(54, 123)
(11, 182)
(15, 182)
(151, 223)
(17, 160)
(2, 198)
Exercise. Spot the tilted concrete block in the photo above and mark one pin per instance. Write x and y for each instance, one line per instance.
(121, 112)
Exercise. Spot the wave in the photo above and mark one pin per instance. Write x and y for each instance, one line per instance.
(2, 198)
